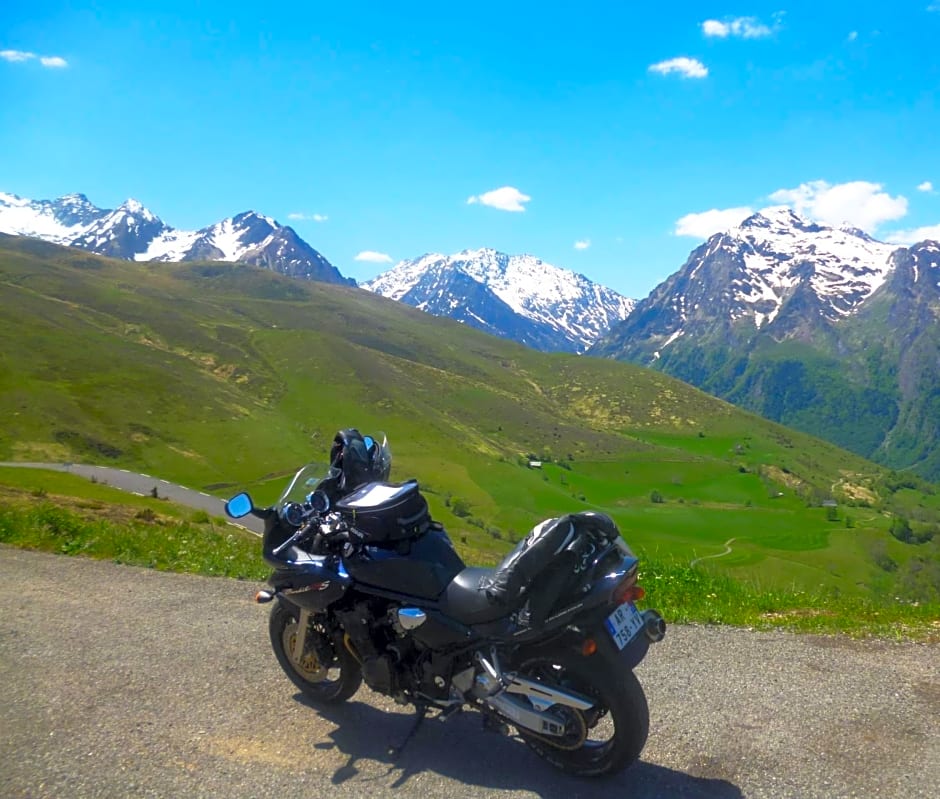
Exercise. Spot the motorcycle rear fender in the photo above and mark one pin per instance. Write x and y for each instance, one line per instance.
(573, 640)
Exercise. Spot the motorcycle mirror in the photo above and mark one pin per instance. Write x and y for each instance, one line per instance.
(239, 505)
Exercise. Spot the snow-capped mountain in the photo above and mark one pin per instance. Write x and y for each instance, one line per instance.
(133, 232)
(774, 272)
(519, 297)
(823, 329)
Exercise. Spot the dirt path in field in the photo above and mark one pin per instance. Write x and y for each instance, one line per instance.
(727, 551)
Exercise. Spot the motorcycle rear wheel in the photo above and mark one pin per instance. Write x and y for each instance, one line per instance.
(600, 742)
(323, 683)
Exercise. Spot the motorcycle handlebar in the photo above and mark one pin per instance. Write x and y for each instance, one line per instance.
(323, 529)
(295, 538)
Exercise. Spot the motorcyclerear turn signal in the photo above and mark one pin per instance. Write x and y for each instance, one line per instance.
(628, 591)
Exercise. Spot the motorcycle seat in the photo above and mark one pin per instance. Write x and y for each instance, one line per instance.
(466, 601)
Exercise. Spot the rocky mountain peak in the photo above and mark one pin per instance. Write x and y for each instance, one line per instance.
(519, 297)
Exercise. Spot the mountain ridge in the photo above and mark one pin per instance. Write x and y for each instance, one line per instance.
(132, 232)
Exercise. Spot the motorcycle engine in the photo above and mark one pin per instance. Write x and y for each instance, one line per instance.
(393, 662)
(386, 654)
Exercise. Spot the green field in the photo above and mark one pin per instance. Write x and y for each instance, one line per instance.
(224, 377)
(62, 513)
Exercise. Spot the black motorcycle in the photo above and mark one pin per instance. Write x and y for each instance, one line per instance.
(368, 587)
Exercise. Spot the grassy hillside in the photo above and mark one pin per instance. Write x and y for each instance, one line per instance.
(226, 376)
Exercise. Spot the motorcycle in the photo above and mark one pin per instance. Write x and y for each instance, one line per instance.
(368, 587)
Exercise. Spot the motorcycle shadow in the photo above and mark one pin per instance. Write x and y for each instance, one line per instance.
(461, 750)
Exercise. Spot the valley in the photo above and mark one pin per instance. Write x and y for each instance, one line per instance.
(223, 376)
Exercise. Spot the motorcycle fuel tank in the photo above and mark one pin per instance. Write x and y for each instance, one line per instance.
(422, 567)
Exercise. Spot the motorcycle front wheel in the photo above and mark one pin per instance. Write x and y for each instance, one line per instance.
(601, 741)
(327, 674)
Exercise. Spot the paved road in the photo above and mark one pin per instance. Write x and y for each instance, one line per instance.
(117, 681)
(144, 484)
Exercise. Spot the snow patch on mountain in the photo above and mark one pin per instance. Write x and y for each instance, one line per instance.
(59, 222)
(779, 251)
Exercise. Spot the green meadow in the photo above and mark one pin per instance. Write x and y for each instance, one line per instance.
(227, 377)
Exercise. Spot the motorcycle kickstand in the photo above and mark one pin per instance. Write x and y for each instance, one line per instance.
(422, 714)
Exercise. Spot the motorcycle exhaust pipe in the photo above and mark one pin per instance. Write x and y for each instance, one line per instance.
(654, 626)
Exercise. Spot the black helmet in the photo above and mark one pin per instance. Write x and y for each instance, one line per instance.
(360, 459)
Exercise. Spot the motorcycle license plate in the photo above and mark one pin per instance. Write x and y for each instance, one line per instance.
(623, 624)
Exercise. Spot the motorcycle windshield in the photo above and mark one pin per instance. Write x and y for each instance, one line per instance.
(309, 476)
(304, 483)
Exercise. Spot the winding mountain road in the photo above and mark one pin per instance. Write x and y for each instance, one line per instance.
(126, 682)
(145, 485)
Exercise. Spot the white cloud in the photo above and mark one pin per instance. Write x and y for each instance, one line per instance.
(374, 257)
(915, 235)
(859, 203)
(925, 186)
(853, 36)
(707, 223)
(743, 27)
(17, 56)
(687, 67)
(296, 216)
(582, 244)
(506, 198)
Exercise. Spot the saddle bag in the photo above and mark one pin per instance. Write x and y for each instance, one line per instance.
(548, 566)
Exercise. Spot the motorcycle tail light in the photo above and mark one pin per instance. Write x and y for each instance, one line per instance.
(588, 647)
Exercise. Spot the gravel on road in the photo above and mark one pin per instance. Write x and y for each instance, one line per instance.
(126, 682)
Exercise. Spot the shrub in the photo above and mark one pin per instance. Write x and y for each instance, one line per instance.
(460, 507)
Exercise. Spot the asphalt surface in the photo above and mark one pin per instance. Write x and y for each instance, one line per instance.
(124, 682)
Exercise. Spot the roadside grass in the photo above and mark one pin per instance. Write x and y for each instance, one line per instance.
(178, 540)
(159, 535)
(689, 595)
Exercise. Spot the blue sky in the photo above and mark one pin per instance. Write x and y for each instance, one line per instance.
(607, 138)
